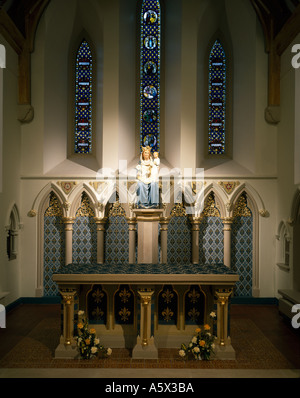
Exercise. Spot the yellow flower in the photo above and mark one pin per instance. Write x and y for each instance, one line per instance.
(87, 341)
(206, 327)
(80, 325)
(202, 343)
(93, 331)
(198, 330)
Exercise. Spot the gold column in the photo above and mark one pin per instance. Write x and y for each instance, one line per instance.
(100, 222)
(68, 221)
(195, 221)
(164, 221)
(222, 295)
(68, 296)
(145, 320)
(227, 221)
(132, 239)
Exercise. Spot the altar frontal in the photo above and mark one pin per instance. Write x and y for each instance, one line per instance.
(144, 307)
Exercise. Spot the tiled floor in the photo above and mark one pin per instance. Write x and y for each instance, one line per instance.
(266, 346)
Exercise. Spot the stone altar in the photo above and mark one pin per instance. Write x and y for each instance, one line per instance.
(218, 280)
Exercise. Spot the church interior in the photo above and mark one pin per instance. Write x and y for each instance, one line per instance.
(213, 87)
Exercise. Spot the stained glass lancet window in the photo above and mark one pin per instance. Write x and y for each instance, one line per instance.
(150, 48)
(83, 99)
(217, 100)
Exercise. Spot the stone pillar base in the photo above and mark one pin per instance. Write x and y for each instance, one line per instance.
(66, 352)
(225, 352)
(145, 352)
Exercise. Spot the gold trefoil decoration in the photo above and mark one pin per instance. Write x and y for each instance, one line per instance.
(241, 209)
(178, 210)
(85, 209)
(117, 210)
(54, 208)
(210, 208)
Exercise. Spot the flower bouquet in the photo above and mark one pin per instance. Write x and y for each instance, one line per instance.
(202, 344)
(87, 342)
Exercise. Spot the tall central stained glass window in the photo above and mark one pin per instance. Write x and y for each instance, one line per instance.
(83, 99)
(217, 100)
(150, 48)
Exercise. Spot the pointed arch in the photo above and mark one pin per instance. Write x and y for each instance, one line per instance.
(83, 78)
(295, 209)
(83, 132)
(284, 240)
(220, 197)
(13, 226)
(76, 196)
(209, 103)
(40, 201)
(254, 200)
(244, 211)
(84, 236)
(39, 206)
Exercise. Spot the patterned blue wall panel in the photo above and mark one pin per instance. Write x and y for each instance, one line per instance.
(84, 240)
(54, 251)
(211, 241)
(117, 240)
(179, 241)
(242, 254)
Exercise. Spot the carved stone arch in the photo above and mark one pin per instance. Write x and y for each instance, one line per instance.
(283, 229)
(219, 195)
(41, 203)
(13, 217)
(113, 202)
(283, 245)
(254, 202)
(40, 200)
(295, 210)
(76, 196)
(12, 226)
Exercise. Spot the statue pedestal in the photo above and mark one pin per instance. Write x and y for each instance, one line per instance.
(148, 220)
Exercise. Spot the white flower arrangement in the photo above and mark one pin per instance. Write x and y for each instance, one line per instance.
(201, 345)
(87, 342)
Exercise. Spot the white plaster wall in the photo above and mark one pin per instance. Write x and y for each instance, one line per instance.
(10, 195)
(287, 156)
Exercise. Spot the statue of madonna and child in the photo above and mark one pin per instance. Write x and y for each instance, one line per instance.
(147, 176)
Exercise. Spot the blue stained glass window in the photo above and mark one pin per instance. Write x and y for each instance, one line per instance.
(217, 100)
(83, 99)
(150, 43)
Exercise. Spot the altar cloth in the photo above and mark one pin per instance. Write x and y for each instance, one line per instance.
(94, 268)
(145, 273)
